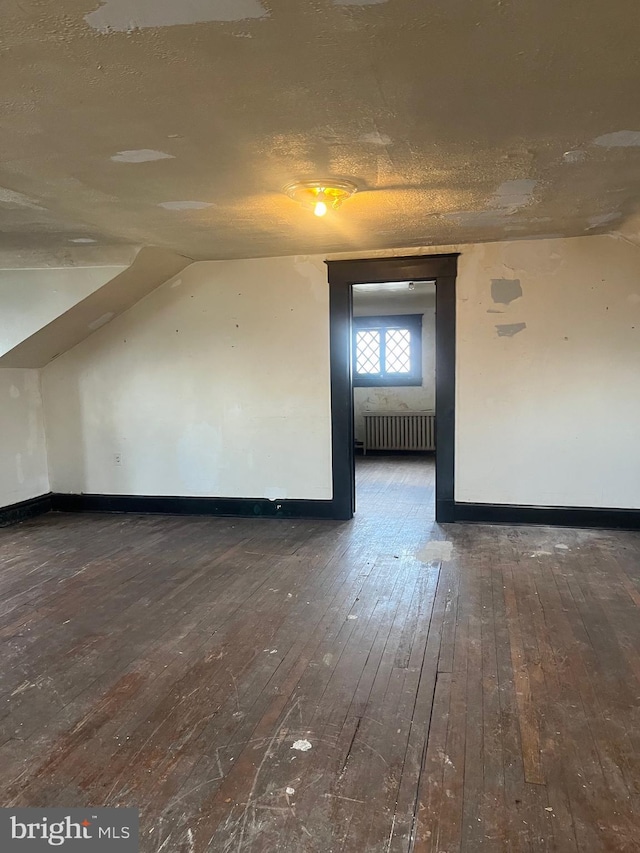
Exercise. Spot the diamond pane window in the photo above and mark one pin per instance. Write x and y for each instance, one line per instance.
(397, 356)
(387, 350)
(368, 351)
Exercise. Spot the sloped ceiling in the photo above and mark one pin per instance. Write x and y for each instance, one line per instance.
(151, 268)
(176, 124)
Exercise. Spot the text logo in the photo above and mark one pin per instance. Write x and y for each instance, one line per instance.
(70, 830)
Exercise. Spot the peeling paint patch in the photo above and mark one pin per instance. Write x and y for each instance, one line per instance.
(435, 550)
(602, 219)
(507, 200)
(128, 15)
(512, 195)
(576, 156)
(185, 205)
(274, 493)
(15, 199)
(474, 218)
(619, 139)
(302, 745)
(505, 290)
(101, 321)
(376, 138)
(140, 155)
(508, 330)
(83, 240)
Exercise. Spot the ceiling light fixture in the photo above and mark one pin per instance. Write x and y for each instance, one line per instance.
(319, 196)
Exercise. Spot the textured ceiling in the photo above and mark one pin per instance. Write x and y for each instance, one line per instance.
(176, 123)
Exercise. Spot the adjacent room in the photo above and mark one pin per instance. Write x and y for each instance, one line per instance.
(319, 426)
(394, 391)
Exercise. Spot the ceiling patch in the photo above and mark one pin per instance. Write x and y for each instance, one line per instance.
(376, 138)
(475, 218)
(507, 200)
(15, 199)
(128, 15)
(185, 205)
(620, 139)
(140, 155)
(512, 195)
(602, 219)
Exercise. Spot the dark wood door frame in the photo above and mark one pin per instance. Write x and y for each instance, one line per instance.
(342, 276)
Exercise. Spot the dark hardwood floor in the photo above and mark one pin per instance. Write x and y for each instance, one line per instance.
(377, 685)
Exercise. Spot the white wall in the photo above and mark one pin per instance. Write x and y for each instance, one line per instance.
(217, 383)
(551, 415)
(31, 298)
(236, 401)
(23, 454)
(399, 398)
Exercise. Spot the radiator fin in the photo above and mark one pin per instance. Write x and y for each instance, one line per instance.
(399, 431)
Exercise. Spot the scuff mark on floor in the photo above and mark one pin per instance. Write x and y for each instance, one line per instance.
(435, 550)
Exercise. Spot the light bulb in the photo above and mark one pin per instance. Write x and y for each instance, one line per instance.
(320, 209)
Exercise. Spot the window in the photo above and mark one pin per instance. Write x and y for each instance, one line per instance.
(387, 350)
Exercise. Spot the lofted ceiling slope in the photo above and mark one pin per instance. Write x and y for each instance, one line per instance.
(176, 124)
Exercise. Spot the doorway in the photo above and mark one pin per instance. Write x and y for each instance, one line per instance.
(343, 275)
(393, 374)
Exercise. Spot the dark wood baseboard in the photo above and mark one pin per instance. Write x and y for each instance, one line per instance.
(555, 516)
(448, 511)
(240, 507)
(24, 510)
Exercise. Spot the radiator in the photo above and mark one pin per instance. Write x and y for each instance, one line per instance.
(399, 431)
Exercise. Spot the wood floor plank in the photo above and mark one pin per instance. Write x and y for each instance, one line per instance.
(480, 694)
